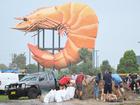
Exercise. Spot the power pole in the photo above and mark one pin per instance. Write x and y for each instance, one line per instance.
(95, 58)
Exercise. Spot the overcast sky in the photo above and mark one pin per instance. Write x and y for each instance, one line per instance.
(119, 27)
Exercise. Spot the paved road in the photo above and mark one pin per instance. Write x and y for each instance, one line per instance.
(71, 102)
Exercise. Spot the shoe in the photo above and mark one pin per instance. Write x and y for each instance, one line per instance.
(97, 99)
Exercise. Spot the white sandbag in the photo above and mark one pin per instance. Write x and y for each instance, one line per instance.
(63, 94)
(71, 92)
(67, 97)
(50, 97)
(58, 96)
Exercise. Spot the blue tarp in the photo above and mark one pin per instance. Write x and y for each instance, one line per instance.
(9, 71)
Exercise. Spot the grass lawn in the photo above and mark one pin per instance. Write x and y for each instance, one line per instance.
(3, 98)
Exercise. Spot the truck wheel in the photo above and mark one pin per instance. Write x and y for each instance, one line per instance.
(12, 97)
(32, 93)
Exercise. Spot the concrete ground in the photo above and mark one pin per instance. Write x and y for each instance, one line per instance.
(71, 102)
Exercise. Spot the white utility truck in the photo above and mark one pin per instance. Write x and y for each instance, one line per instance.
(6, 79)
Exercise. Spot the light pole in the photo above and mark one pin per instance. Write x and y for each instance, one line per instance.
(96, 53)
(29, 57)
(95, 58)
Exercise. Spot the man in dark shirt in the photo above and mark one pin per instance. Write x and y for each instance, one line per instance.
(108, 84)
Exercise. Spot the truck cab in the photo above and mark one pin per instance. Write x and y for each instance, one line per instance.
(31, 85)
(43, 79)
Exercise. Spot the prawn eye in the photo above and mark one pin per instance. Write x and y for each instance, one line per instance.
(25, 19)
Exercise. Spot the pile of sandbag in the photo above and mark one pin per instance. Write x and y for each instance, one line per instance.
(60, 95)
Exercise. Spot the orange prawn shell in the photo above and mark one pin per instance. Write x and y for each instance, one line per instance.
(80, 23)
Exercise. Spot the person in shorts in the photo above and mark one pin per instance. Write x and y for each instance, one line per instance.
(79, 86)
(108, 85)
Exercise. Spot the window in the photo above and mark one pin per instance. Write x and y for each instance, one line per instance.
(50, 76)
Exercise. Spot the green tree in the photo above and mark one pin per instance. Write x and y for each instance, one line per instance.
(139, 69)
(85, 55)
(32, 68)
(128, 63)
(86, 68)
(72, 68)
(63, 72)
(106, 66)
(96, 71)
(85, 65)
(3, 67)
(18, 61)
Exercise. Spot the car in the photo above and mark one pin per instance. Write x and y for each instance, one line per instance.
(31, 85)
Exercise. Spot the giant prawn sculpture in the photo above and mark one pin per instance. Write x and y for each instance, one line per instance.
(77, 20)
